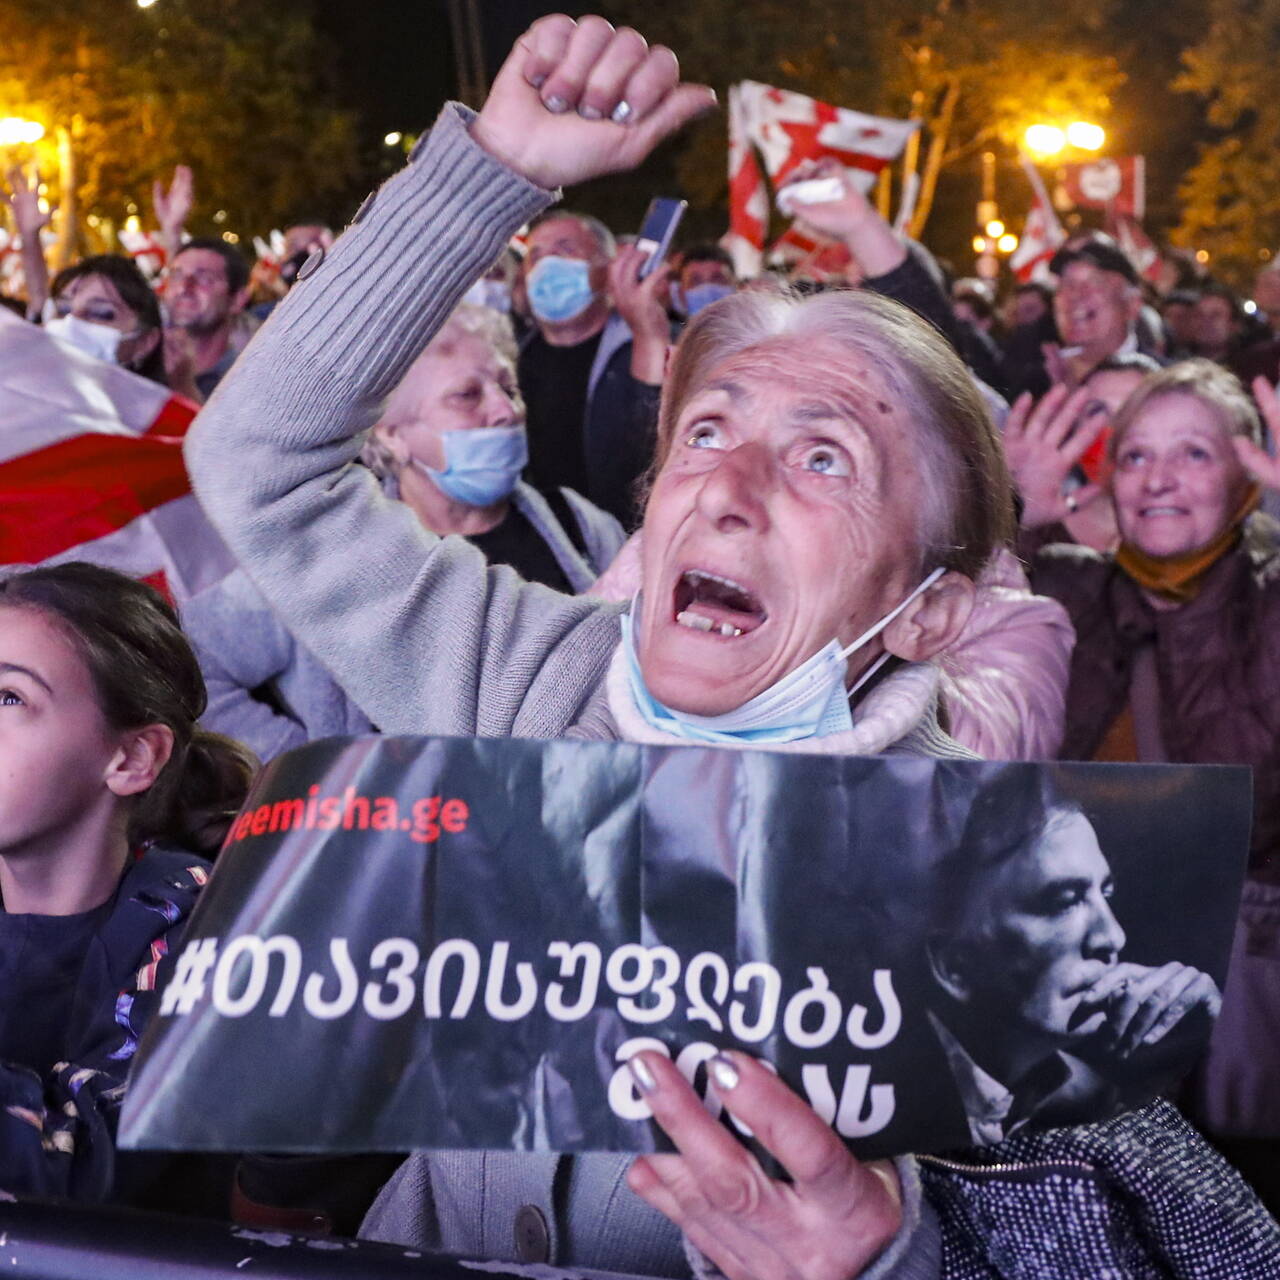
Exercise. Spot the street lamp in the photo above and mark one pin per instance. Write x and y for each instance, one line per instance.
(1088, 137)
(1044, 140)
(15, 131)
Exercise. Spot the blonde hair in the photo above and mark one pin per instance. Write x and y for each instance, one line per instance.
(969, 506)
(1215, 387)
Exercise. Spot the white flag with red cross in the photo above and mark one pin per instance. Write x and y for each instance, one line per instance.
(1042, 234)
(1138, 246)
(91, 467)
(785, 129)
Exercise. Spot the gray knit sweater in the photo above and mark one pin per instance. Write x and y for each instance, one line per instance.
(422, 635)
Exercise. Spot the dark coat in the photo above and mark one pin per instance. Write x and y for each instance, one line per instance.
(1217, 663)
(57, 1127)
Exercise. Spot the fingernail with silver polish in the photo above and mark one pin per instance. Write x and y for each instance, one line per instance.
(555, 104)
(724, 1075)
(538, 81)
(588, 112)
(621, 113)
(642, 1075)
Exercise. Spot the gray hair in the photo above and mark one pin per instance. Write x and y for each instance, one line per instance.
(1207, 381)
(466, 319)
(969, 511)
(599, 232)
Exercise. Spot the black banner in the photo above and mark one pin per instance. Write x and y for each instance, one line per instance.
(417, 943)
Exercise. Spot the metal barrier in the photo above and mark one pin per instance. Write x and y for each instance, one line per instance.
(45, 1241)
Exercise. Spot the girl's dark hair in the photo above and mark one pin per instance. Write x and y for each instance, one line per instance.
(145, 672)
(136, 294)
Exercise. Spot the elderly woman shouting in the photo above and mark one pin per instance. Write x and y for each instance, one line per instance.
(831, 486)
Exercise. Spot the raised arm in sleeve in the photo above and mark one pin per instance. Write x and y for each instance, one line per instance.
(419, 632)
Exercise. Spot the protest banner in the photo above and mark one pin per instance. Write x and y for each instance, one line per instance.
(415, 943)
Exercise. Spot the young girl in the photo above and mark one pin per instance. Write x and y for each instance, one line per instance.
(109, 795)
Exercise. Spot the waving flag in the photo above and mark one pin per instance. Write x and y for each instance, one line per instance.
(787, 128)
(1139, 246)
(1041, 234)
(91, 467)
(1118, 185)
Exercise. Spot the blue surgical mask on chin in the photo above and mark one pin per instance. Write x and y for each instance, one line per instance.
(703, 295)
(809, 702)
(559, 289)
(482, 464)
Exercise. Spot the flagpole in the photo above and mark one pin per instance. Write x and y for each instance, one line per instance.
(1037, 185)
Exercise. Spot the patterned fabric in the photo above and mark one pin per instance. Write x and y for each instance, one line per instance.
(1138, 1197)
(57, 1127)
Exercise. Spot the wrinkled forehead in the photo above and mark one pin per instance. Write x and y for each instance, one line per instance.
(819, 369)
(1179, 415)
(566, 237)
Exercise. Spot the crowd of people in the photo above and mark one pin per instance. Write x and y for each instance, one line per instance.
(547, 494)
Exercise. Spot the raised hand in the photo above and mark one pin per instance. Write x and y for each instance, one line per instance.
(641, 303)
(828, 1223)
(1258, 462)
(1042, 444)
(173, 207)
(575, 100)
(851, 218)
(23, 199)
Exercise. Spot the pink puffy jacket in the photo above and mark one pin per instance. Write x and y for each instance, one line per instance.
(1004, 682)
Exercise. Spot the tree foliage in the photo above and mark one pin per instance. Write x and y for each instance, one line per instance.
(975, 72)
(238, 91)
(1231, 195)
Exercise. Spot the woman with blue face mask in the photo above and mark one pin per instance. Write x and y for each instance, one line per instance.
(449, 444)
(828, 485)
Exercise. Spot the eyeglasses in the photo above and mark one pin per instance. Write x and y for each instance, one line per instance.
(205, 277)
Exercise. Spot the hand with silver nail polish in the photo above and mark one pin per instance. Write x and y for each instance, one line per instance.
(576, 100)
(829, 1222)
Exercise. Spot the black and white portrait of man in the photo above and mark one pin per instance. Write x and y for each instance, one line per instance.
(1037, 1013)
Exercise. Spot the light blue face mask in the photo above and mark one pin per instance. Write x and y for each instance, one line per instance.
(703, 295)
(482, 465)
(559, 289)
(809, 702)
(494, 294)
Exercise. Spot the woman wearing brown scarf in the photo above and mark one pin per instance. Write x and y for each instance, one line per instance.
(1177, 658)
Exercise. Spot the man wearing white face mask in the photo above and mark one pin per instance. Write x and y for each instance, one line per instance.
(450, 444)
(592, 370)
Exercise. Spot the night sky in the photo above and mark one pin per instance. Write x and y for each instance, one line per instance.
(395, 66)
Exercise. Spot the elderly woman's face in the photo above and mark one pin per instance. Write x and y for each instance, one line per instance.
(1177, 480)
(786, 515)
(458, 385)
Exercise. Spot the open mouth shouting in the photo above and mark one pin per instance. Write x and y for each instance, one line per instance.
(708, 602)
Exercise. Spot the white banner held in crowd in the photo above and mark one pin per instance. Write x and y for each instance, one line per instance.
(91, 467)
(787, 128)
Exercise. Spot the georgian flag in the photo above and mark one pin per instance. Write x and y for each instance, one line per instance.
(91, 467)
(1138, 246)
(786, 128)
(146, 249)
(1042, 234)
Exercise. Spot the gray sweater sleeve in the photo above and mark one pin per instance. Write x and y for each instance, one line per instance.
(422, 635)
